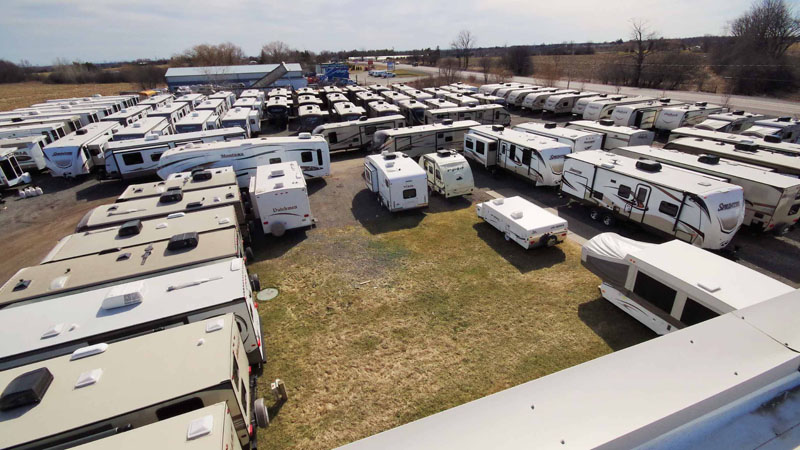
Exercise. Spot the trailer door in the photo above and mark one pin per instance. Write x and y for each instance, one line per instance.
(371, 177)
(639, 203)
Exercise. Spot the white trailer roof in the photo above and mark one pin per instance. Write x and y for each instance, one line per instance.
(396, 164)
(726, 150)
(527, 140)
(673, 177)
(127, 112)
(79, 317)
(524, 213)
(210, 103)
(725, 168)
(186, 181)
(440, 103)
(277, 101)
(142, 127)
(154, 140)
(347, 107)
(598, 126)
(279, 177)
(730, 138)
(627, 398)
(247, 102)
(153, 230)
(706, 274)
(136, 373)
(538, 127)
(168, 110)
(85, 135)
(196, 117)
(433, 128)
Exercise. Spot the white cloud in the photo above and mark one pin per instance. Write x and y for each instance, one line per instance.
(109, 30)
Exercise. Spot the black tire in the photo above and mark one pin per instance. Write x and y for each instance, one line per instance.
(278, 229)
(551, 241)
(249, 256)
(260, 411)
(782, 230)
(255, 283)
(608, 220)
(594, 214)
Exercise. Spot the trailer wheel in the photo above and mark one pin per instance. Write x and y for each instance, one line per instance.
(262, 416)
(608, 220)
(255, 283)
(278, 229)
(506, 237)
(594, 214)
(551, 241)
(783, 230)
(249, 256)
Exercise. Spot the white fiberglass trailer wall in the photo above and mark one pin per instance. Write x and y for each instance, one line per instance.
(79, 152)
(399, 182)
(577, 140)
(279, 197)
(448, 172)
(485, 114)
(416, 141)
(614, 136)
(28, 151)
(245, 118)
(357, 134)
(686, 115)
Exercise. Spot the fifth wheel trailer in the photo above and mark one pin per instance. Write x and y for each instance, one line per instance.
(772, 200)
(669, 201)
(745, 152)
(27, 151)
(768, 143)
(130, 384)
(310, 152)
(685, 115)
(641, 115)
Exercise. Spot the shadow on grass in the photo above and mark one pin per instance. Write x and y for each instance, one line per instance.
(439, 204)
(524, 260)
(612, 325)
(376, 219)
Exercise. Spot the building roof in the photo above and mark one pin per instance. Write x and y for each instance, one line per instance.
(227, 70)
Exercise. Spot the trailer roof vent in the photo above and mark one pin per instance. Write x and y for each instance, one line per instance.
(738, 113)
(708, 159)
(444, 153)
(304, 136)
(550, 125)
(277, 173)
(130, 228)
(498, 201)
(363, 118)
(665, 100)
(447, 122)
(701, 104)
(784, 119)
(746, 147)
(26, 389)
(498, 128)
(516, 215)
(772, 139)
(617, 98)
(648, 165)
(195, 114)
(201, 175)
(606, 122)
(183, 241)
(82, 131)
(171, 195)
(389, 156)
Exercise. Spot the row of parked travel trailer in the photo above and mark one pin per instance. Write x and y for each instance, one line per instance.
(148, 313)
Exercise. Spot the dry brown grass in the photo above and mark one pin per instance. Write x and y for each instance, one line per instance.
(20, 95)
(375, 330)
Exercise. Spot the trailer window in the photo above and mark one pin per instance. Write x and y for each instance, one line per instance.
(468, 144)
(245, 403)
(155, 157)
(5, 166)
(694, 313)
(512, 151)
(306, 157)
(669, 209)
(624, 191)
(332, 137)
(526, 157)
(132, 158)
(448, 138)
(369, 130)
(409, 193)
(657, 293)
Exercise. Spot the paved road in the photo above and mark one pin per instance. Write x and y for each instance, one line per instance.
(770, 106)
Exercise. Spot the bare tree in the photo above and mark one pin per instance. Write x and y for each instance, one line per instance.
(769, 26)
(517, 59)
(275, 52)
(643, 41)
(449, 70)
(224, 54)
(463, 45)
(486, 66)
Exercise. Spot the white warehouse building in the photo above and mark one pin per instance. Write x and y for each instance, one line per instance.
(243, 75)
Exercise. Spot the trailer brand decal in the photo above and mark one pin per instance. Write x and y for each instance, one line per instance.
(726, 206)
(62, 154)
(552, 157)
(232, 155)
(284, 208)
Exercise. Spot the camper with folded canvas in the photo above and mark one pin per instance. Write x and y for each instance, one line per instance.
(523, 222)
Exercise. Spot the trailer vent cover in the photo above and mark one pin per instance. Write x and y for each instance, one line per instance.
(447, 122)
(201, 175)
(26, 389)
(708, 159)
(516, 215)
(130, 228)
(171, 195)
(784, 119)
(498, 128)
(665, 100)
(150, 137)
(606, 122)
(772, 139)
(738, 113)
(550, 125)
(82, 131)
(648, 165)
(183, 241)
(701, 104)
(498, 201)
(746, 147)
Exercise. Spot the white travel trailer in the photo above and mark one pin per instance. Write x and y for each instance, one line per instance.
(641, 115)
(577, 140)
(158, 101)
(131, 384)
(11, 173)
(191, 99)
(53, 131)
(210, 428)
(306, 91)
(253, 103)
(485, 114)
(122, 101)
(254, 93)
(335, 89)
(139, 157)
(394, 97)
(303, 100)
(243, 118)
(747, 153)
(357, 134)
(563, 103)
(485, 99)
(399, 182)
(670, 286)
(730, 122)
(772, 200)
(346, 112)
(517, 96)
(769, 143)
(173, 112)
(217, 105)
(205, 291)
(351, 91)
(413, 110)
(79, 152)
(490, 89)
(418, 140)
(382, 108)
(419, 95)
(158, 126)
(128, 116)
(71, 122)
(535, 158)
(439, 103)
(448, 173)
(614, 136)
(310, 152)
(464, 86)
(685, 115)
(310, 117)
(278, 109)
(85, 117)
(27, 151)
(461, 99)
(505, 90)
(279, 197)
(227, 96)
(785, 128)
(535, 101)
(603, 108)
(523, 222)
(334, 98)
(185, 181)
(364, 98)
(279, 92)
(436, 92)
(202, 120)
(582, 103)
(696, 208)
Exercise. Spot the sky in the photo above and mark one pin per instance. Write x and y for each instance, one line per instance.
(110, 30)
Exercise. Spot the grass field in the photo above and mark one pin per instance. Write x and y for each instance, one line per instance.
(377, 328)
(20, 95)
